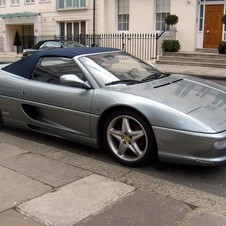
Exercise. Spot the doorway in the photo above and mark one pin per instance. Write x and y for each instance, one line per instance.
(28, 36)
(213, 26)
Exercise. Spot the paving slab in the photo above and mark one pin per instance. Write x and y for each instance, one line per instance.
(7, 150)
(76, 201)
(192, 196)
(142, 208)
(111, 169)
(44, 169)
(204, 219)
(13, 218)
(19, 138)
(16, 188)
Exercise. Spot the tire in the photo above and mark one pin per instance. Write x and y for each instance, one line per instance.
(129, 138)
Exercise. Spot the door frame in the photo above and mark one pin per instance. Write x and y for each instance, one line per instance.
(201, 8)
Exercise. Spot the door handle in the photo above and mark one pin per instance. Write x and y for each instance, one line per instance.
(208, 31)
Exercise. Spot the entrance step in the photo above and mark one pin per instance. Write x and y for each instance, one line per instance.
(197, 58)
(207, 50)
(8, 57)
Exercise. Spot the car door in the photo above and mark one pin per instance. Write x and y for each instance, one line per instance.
(54, 108)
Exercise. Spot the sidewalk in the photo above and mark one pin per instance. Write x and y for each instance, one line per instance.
(41, 185)
(203, 72)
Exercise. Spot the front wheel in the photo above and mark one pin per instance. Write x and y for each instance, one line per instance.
(129, 138)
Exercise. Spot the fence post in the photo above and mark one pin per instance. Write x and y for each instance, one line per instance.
(156, 46)
(157, 38)
(123, 43)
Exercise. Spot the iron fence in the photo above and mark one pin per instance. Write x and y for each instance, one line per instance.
(144, 46)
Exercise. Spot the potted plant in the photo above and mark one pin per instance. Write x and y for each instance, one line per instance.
(171, 19)
(222, 47)
(222, 44)
(223, 19)
(169, 45)
(17, 41)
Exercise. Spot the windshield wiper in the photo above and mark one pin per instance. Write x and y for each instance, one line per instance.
(155, 75)
(124, 81)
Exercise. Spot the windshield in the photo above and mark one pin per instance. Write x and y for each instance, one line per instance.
(119, 68)
(70, 44)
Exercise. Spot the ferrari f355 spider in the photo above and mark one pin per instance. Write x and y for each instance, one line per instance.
(106, 97)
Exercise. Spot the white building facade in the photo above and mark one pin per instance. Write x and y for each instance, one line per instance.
(199, 23)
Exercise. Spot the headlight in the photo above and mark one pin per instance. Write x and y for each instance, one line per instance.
(220, 144)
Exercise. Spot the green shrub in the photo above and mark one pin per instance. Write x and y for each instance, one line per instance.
(222, 47)
(171, 19)
(17, 41)
(223, 19)
(171, 45)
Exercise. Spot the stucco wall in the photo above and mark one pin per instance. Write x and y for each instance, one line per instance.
(142, 18)
(106, 19)
(186, 27)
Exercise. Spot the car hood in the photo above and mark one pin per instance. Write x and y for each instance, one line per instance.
(204, 101)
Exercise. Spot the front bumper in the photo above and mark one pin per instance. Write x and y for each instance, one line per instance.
(192, 148)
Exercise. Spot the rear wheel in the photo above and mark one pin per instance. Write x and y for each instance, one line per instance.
(129, 138)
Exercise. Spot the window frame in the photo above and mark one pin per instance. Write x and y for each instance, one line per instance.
(44, 1)
(60, 66)
(28, 2)
(162, 8)
(123, 15)
(14, 2)
(2, 3)
(71, 4)
(78, 29)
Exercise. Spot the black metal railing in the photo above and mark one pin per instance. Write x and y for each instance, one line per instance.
(144, 46)
(139, 45)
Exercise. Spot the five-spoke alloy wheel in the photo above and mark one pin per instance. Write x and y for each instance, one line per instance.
(129, 138)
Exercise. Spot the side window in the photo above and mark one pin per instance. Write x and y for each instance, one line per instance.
(49, 69)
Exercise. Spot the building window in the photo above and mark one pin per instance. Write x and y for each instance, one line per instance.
(123, 15)
(201, 15)
(15, 2)
(162, 11)
(65, 4)
(2, 3)
(74, 31)
(29, 1)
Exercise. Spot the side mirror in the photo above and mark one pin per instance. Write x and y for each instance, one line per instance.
(74, 80)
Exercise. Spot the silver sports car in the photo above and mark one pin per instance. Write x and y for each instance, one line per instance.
(104, 96)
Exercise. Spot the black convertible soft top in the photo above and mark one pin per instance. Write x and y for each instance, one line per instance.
(24, 67)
